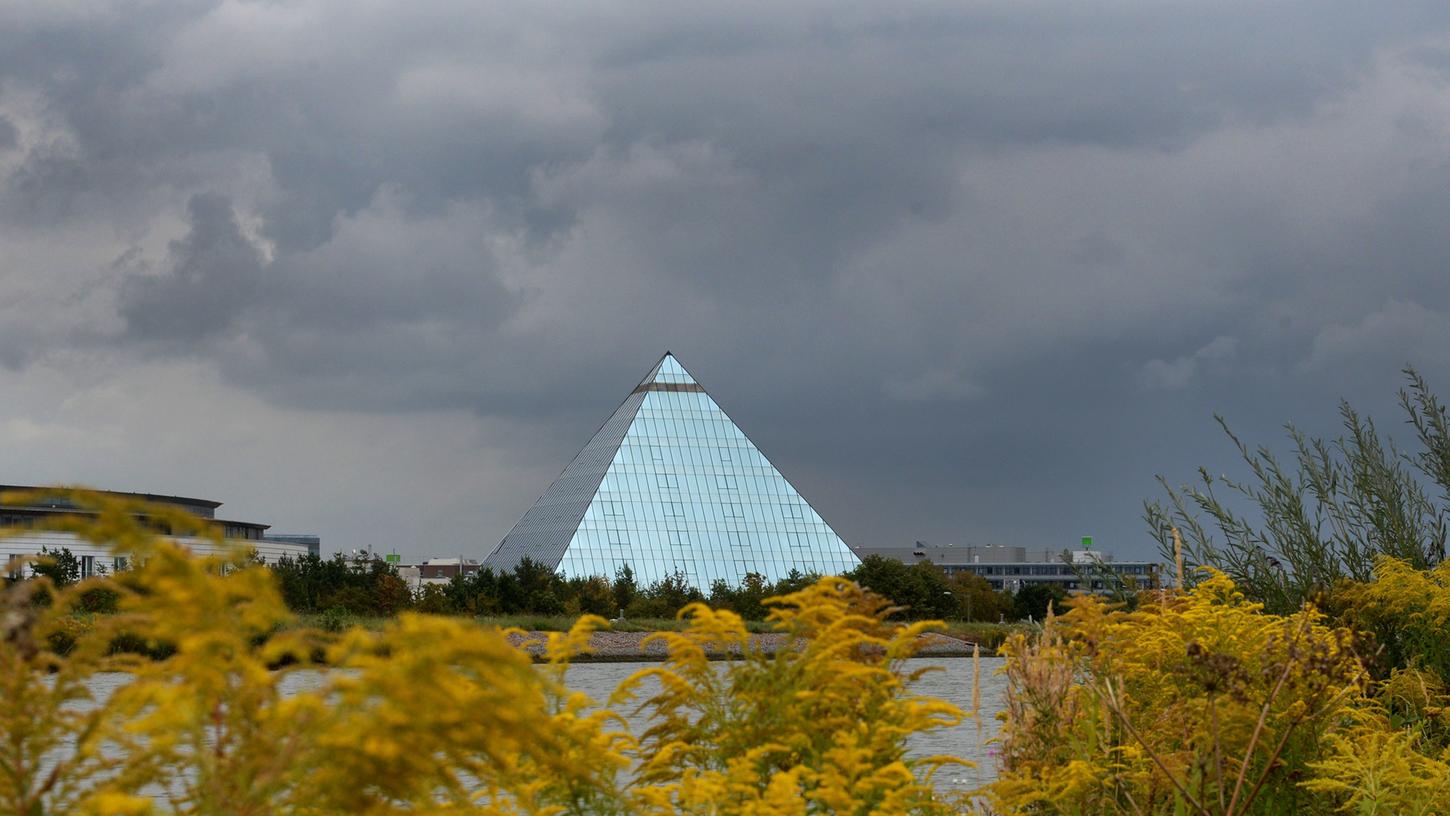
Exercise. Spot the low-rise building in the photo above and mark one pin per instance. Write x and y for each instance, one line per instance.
(22, 521)
(1010, 568)
(437, 571)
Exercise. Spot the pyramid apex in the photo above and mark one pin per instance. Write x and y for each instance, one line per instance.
(669, 370)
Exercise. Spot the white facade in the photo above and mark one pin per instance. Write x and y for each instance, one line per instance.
(95, 558)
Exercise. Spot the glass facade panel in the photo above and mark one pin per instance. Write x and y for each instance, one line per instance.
(673, 486)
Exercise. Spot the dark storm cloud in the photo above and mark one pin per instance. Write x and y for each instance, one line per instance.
(957, 263)
(385, 307)
(213, 275)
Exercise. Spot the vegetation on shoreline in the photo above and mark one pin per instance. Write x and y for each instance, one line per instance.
(988, 635)
(1310, 681)
(1198, 702)
(1305, 670)
(432, 714)
(368, 587)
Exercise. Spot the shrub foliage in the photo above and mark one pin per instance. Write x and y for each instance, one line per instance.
(1325, 513)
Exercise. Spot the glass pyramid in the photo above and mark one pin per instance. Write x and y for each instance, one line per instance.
(670, 485)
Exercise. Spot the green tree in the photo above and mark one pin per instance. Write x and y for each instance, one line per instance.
(625, 588)
(920, 590)
(390, 592)
(1033, 600)
(746, 600)
(59, 565)
(589, 596)
(976, 600)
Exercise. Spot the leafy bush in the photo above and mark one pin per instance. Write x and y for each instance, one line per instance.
(362, 585)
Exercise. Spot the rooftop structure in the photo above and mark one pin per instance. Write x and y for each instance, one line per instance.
(670, 485)
(1011, 568)
(311, 541)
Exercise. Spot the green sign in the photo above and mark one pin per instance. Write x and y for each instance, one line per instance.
(393, 558)
(1087, 542)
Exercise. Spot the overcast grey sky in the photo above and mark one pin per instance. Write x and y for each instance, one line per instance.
(969, 272)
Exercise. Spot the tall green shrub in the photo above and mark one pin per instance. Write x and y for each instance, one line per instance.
(1325, 511)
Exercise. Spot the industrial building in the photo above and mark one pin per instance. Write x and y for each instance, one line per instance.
(1011, 568)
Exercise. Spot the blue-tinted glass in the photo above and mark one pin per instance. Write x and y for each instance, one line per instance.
(673, 485)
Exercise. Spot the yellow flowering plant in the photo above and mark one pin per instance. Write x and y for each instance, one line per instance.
(1201, 703)
(226, 706)
(818, 726)
(1198, 703)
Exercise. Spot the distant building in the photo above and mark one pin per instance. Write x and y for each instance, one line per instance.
(1011, 568)
(670, 485)
(437, 571)
(313, 543)
(20, 520)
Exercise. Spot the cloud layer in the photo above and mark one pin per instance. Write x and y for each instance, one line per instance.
(969, 272)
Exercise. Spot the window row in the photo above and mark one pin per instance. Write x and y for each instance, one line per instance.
(655, 452)
(818, 540)
(698, 572)
(646, 485)
(690, 511)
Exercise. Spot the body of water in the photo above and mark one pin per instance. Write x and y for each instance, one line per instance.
(952, 681)
(971, 739)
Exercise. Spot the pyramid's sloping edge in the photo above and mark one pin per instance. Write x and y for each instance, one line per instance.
(543, 534)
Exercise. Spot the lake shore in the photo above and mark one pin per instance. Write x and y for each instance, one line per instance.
(629, 647)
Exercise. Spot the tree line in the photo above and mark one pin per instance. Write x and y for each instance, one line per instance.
(362, 586)
(369, 586)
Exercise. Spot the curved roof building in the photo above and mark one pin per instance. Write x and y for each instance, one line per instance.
(670, 485)
(22, 522)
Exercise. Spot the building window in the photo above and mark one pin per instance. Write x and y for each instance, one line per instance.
(674, 510)
(734, 510)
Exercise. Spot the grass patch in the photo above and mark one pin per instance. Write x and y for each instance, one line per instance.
(990, 636)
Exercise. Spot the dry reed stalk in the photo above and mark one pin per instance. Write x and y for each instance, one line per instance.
(1178, 556)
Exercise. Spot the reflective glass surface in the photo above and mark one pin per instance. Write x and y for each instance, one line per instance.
(683, 491)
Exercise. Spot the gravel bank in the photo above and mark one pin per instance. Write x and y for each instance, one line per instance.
(628, 647)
